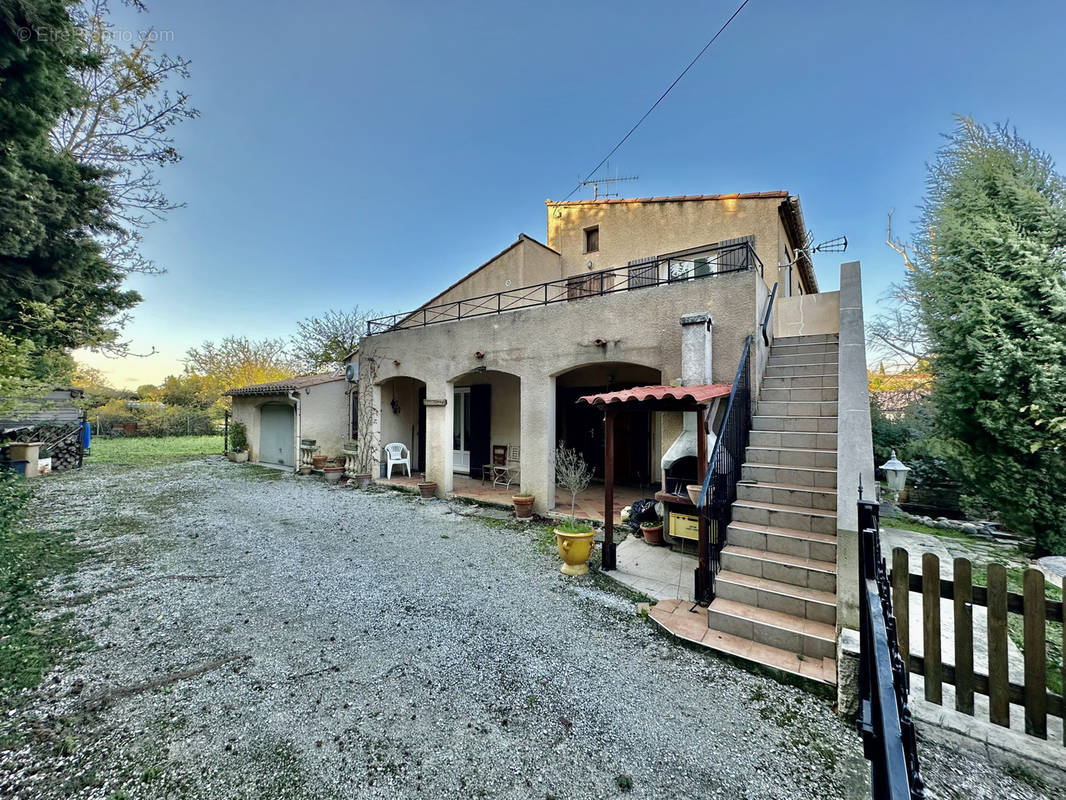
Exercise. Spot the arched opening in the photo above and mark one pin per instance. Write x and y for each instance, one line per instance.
(403, 418)
(486, 434)
(581, 426)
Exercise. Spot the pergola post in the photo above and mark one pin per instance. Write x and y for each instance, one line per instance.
(608, 559)
(703, 571)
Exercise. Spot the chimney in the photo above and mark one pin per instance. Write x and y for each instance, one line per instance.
(679, 465)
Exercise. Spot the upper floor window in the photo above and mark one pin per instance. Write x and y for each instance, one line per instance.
(592, 239)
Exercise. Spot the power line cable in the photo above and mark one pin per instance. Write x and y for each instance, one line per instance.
(647, 113)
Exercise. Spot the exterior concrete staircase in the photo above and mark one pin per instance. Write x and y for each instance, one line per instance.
(775, 596)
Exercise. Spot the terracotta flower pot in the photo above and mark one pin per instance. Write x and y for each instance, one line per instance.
(334, 474)
(428, 489)
(574, 550)
(363, 479)
(653, 535)
(319, 462)
(523, 506)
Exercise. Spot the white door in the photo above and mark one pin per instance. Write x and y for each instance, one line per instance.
(461, 430)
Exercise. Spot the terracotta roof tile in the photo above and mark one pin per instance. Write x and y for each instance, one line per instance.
(287, 385)
(640, 394)
(780, 194)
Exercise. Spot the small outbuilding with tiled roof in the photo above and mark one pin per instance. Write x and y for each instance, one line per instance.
(278, 415)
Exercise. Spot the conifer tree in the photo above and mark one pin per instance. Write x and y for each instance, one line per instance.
(990, 276)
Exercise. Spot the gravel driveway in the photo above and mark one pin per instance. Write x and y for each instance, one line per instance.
(257, 635)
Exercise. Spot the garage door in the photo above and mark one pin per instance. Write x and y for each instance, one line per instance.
(276, 434)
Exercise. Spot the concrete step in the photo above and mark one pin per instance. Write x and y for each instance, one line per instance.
(801, 358)
(798, 394)
(794, 424)
(814, 338)
(828, 381)
(820, 408)
(783, 631)
(791, 349)
(795, 518)
(815, 441)
(798, 370)
(795, 570)
(792, 456)
(798, 476)
(788, 494)
(817, 546)
(798, 601)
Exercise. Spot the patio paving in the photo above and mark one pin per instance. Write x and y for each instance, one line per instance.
(659, 572)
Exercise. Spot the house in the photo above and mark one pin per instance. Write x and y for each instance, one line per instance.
(279, 415)
(647, 294)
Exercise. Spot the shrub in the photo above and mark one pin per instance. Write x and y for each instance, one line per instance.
(238, 437)
(14, 497)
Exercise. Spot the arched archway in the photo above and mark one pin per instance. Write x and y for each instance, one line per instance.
(486, 421)
(581, 426)
(403, 416)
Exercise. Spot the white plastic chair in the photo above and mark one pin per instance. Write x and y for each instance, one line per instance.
(397, 453)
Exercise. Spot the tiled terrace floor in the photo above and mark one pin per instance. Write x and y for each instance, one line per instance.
(589, 503)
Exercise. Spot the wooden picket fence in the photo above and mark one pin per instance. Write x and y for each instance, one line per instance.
(1036, 610)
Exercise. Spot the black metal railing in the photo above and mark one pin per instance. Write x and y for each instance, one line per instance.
(723, 471)
(766, 317)
(884, 716)
(688, 265)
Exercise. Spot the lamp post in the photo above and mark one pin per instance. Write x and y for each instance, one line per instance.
(895, 475)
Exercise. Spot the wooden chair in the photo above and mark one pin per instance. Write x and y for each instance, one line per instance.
(499, 459)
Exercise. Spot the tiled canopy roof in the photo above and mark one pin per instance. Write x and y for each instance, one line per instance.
(696, 395)
(287, 385)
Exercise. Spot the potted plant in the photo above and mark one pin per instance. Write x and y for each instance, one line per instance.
(333, 471)
(239, 444)
(652, 531)
(573, 539)
(523, 505)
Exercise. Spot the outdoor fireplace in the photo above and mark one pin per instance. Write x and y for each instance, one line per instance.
(679, 464)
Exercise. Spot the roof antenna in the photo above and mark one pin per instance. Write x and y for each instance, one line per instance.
(595, 184)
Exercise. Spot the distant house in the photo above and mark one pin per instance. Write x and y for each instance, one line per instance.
(279, 414)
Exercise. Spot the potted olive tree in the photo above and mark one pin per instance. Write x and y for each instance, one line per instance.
(573, 539)
(239, 443)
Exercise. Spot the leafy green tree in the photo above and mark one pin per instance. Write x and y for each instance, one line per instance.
(990, 277)
(322, 343)
(239, 361)
(56, 288)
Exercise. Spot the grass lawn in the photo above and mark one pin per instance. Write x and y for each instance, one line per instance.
(145, 450)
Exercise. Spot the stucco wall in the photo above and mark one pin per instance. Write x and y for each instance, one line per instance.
(537, 344)
(808, 314)
(324, 416)
(523, 264)
(246, 410)
(629, 231)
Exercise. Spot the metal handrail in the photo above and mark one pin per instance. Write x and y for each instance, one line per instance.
(889, 741)
(736, 424)
(666, 269)
(766, 318)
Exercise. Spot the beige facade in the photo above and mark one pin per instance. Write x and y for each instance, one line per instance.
(319, 411)
(534, 359)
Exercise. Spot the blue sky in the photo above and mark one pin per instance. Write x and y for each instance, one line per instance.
(371, 153)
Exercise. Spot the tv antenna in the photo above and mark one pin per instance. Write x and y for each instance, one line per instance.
(838, 244)
(596, 182)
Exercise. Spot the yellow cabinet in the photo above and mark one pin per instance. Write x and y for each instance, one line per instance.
(684, 526)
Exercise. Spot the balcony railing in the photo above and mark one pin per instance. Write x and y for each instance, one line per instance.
(689, 265)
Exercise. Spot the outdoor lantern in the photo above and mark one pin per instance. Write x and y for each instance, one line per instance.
(896, 475)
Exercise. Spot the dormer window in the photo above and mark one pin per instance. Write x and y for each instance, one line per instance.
(592, 239)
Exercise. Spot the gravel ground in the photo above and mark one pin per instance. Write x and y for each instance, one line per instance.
(256, 635)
